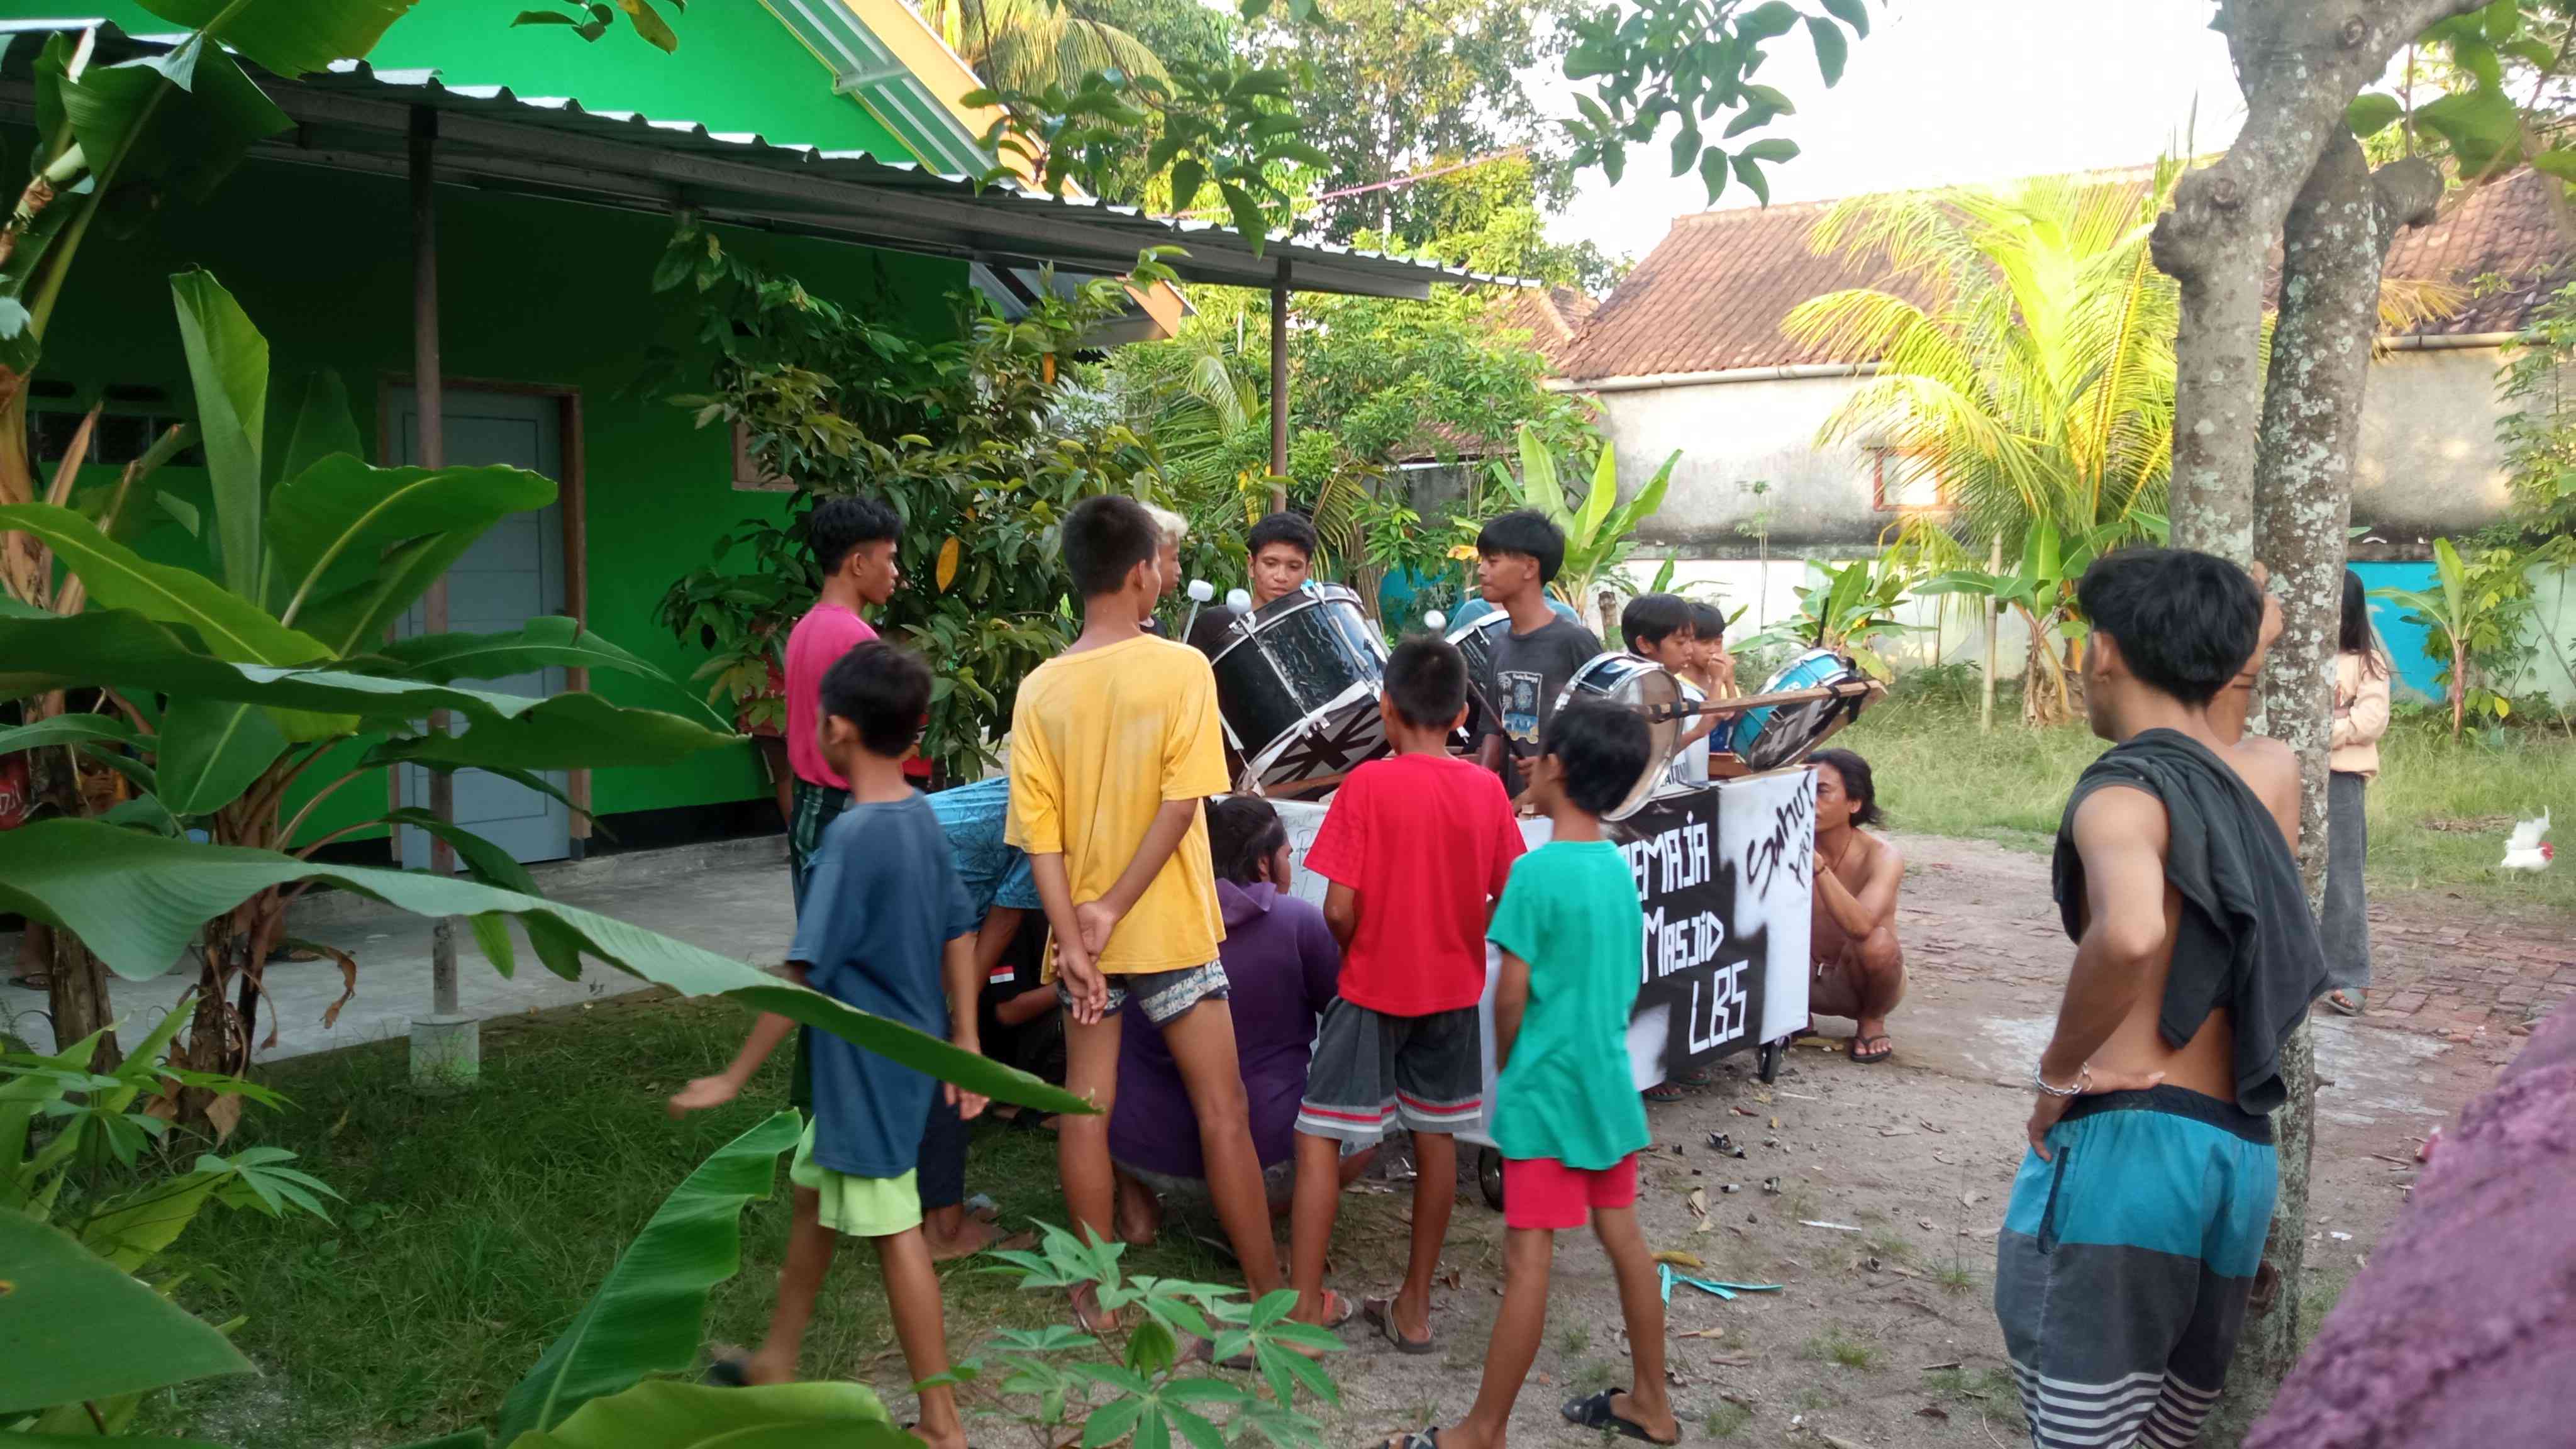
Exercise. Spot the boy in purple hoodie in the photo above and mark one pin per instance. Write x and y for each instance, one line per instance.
(1281, 968)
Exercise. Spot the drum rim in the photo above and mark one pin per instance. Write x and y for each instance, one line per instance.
(1304, 598)
(1644, 791)
(1258, 765)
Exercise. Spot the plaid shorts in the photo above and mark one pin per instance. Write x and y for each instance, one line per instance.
(1161, 995)
(812, 809)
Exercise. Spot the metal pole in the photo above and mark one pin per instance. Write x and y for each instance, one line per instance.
(454, 1058)
(1279, 389)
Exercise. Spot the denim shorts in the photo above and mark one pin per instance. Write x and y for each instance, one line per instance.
(1161, 995)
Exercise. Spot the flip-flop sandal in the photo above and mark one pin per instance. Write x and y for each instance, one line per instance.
(1595, 1413)
(37, 982)
(1696, 1077)
(727, 1373)
(1867, 1057)
(1662, 1092)
(2343, 1002)
(1380, 1312)
(982, 1207)
(1427, 1438)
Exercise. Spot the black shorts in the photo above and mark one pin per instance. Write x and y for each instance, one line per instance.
(1371, 1069)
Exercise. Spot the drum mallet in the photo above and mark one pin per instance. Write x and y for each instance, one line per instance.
(1200, 592)
(1435, 621)
(1238, 601)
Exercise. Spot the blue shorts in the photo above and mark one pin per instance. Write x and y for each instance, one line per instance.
(2125, 1263)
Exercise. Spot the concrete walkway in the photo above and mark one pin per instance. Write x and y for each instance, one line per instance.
(730, 897)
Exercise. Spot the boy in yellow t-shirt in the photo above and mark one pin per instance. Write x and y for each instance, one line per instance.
(1115, 744)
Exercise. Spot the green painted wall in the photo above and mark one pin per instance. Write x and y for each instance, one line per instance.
(531, 292)
(737, 68)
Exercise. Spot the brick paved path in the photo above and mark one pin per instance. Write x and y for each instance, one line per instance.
(2467, 971)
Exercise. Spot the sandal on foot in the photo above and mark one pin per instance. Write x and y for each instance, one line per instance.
(1662, 1092)
(727, 1373)
(2342, 1001)
(1867, 1055)
(1424, 1438)
(1595, 1413)
(1380, 1312)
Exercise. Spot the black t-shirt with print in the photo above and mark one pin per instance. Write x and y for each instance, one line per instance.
(1529, 671)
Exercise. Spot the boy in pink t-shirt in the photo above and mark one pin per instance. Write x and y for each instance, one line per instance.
(853, 541)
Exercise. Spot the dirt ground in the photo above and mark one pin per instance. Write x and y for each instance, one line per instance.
(1883, 1332)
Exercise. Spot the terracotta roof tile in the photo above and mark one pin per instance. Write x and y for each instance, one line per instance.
(1712, 294)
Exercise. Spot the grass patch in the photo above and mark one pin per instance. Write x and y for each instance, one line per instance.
(1834, 1346)
(1598, 1374)
(1939, 775)
(476, 1226)
(1726, 1420)
(1954, 1278)
(1575, 1339)
(1889, 1245)
(1990, 1388)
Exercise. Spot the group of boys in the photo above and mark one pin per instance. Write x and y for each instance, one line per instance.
(2151, 1173)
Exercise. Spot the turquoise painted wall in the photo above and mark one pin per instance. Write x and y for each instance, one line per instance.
(737, 68)
(531, 292)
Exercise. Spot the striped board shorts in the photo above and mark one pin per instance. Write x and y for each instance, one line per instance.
(1370, 1070)
(2125, 1264)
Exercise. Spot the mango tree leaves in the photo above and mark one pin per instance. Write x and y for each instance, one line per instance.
(649, 1314)
(76, 1328)
(119, 578)
(137, 900)
(290, 37)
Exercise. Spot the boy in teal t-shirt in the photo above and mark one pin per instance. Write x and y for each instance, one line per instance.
(1566, 1114)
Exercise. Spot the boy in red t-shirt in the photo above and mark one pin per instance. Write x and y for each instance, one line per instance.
(1417, 847)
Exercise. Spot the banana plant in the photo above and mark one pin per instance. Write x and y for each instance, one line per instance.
(2470, 609)
(1848, 610)
(2040, 587)
(1600, 535)
(224, 691)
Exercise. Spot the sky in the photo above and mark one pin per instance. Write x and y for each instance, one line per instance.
(1949, 91)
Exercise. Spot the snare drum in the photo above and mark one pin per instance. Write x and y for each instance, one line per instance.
(1297, 685)
(1649, 689)
(1783, 734)
(1476, 639)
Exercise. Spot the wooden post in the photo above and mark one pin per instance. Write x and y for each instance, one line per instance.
(1986, 686)
(444, 1048)
(1279, 389)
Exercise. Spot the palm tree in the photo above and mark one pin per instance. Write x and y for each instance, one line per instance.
(2024, 342)
(1027, 45)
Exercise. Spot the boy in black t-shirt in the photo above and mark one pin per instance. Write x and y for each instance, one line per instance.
(1517, 556)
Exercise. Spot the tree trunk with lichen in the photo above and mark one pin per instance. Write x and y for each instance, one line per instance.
(2334, 245)
(2299, 63)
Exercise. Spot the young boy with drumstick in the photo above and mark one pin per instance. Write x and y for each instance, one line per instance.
(1417, 846)
(1566, 1115)
(1114, 745)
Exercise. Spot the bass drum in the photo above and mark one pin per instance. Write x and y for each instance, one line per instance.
(1783, 734)
(1476, 639)
(1297, 685)
(1650, 690)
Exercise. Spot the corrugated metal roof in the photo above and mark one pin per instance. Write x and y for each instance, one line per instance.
(357, 118)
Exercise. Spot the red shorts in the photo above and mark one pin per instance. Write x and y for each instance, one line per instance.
(1541, 1192)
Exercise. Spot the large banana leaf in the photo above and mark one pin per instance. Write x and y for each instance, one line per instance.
(330, 527)
(137, 900)
(544, 643)
(1596, 504)
(228, 363)
(188, 115)
(124, 649)
(78, 1329)
(562, 732)
(1539, 486)
(211, 750)
(322, 425)
(67, 729)
(666, 1415)
(92, 1441)
(649, 1314)
(290, 37)
(119, 578)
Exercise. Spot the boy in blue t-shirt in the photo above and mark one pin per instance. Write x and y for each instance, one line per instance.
(1566, 1116)
(888, 928)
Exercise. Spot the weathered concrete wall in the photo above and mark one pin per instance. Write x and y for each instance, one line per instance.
(2429, 462)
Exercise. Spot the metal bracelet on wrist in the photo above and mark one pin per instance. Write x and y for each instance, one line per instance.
(2083, 1079)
